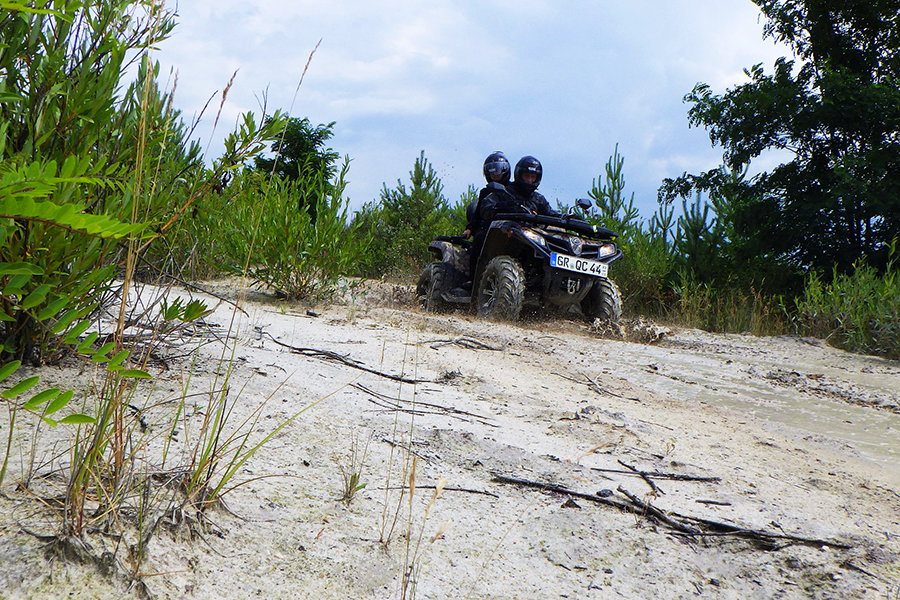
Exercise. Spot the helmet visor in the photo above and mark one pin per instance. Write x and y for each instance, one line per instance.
(529, 176)
(496, 169)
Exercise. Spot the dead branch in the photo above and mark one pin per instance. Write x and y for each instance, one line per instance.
(659, 475)
(681, 524)
(644, 476)
(592, 384)
(559, 489)
(396, 404)
(335, 357)
(408, 448)
(657, 514)
(465, 342)
(847, 564)
(446, 489)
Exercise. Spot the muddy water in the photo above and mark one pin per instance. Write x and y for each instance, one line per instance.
(814, 391)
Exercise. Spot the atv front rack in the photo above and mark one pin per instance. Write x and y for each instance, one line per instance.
(571, 223)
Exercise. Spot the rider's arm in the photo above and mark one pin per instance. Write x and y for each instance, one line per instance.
(487, 208)
(543, 207)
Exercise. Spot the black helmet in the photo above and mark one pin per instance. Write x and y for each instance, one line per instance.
(530, 165)
(496, 164)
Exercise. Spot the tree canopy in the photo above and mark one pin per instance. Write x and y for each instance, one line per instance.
(835, 109)
(301, 150)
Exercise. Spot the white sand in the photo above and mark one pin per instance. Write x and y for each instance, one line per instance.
(789, 426)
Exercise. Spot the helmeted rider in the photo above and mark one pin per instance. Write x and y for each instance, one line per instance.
(528, 175)
(496, 171)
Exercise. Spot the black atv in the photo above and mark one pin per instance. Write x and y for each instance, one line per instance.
(527, 260)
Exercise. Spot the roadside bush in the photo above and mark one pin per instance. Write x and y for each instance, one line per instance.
(64, 162)
(256, 229)
(859, 311)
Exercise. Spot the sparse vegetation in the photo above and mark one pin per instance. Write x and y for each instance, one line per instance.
(858, 311)
(403, 222)
(100, 188)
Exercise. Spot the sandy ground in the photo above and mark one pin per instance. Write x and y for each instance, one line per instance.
(790, 438)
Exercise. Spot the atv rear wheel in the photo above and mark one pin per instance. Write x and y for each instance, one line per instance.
(501, 291)
(436, 278)
(603, 301)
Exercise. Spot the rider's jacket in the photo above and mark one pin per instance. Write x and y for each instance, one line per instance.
(535, 203)
(493, 198)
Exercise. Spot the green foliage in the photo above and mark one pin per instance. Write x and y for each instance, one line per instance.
(44, 273)
(182, 311)
(837, 113)
(191, 239)
(858, 311)
(71, 154)
(300, 151)
(643, 272)
(301, 154)
(686, 269)
(260, 232)
(406, 219)
(725, 308)
(615, 212)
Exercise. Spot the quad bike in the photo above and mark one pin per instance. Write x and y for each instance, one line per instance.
(527, 260)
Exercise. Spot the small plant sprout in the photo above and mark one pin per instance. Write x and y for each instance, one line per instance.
(352, 473)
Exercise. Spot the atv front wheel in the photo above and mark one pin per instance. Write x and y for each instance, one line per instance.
(501, 291)
(603, 301)
(436, 278)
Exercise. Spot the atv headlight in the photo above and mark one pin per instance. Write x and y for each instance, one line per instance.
(607, 250)
(534, 236)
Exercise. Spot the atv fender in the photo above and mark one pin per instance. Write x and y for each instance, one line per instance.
(448, 253)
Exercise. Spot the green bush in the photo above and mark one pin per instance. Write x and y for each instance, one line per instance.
(64, 159)
(859, 311)
(255, 228)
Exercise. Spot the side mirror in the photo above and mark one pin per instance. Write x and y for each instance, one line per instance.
(583, 203)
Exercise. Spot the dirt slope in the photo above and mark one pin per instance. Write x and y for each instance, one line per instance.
(787, 438)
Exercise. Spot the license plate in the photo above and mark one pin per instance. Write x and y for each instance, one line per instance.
(579, 265)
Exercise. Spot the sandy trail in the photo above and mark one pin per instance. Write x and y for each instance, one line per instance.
(802, 438)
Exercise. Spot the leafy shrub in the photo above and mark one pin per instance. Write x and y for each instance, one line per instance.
(859, 311)
(255, 228)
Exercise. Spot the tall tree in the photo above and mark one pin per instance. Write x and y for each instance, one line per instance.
(302, 149)
(301, 156)
(836, 109)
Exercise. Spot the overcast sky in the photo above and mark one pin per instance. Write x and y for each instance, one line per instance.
(563, 81)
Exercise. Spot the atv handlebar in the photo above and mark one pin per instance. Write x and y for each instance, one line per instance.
(572, 223)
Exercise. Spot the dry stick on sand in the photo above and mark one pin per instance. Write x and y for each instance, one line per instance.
(643, 476)
(659, 475)
(465, 342)
(448, 489)
(681, 524)
(335, 357)
(592, 383)
(396, 404)
(713, 502)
